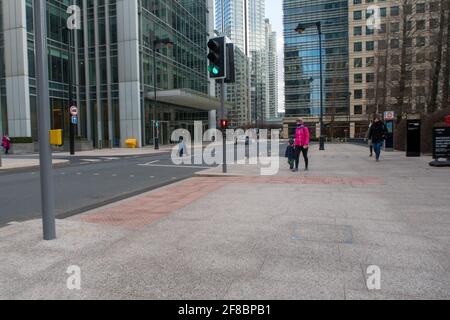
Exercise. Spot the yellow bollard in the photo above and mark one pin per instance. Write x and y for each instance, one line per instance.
(131, 143)
(56, 137)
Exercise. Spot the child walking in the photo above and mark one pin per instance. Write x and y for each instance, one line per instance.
(290, 154)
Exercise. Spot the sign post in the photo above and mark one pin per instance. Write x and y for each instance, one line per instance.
(389, 117)
(441, 145)
(73, 124)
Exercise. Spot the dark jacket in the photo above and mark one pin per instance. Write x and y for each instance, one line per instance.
(377, 132)
(290, 152)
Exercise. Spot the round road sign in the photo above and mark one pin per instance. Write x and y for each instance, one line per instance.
(74, 111)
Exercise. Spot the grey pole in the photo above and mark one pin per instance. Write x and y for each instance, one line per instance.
(322, 140)
(224, 130)
(45, 154)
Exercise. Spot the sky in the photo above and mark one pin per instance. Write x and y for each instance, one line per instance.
(274, 11)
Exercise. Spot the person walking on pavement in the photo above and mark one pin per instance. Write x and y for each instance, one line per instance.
(290, 154)
(368, 140)
(301, 143)
(377, 134)
(6, 143)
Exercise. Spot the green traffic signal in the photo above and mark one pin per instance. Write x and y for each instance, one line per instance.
(214, 70)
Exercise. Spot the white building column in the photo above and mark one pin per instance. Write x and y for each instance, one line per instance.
(16, 68)
(352, 130)
(212, 119)
(128, 60)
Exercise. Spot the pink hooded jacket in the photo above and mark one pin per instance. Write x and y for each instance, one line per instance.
(302, 136)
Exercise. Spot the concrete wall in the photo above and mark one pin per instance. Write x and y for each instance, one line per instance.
(16, 68)
(129, 85)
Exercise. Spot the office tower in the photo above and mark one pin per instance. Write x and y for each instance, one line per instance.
(302, 65)
(112, 58)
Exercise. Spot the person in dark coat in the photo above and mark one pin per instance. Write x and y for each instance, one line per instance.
(377, 135)
(290, 154)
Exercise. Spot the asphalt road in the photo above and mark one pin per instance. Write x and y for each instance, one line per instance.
(87, 183)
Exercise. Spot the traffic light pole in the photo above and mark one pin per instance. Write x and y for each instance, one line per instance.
(224, 130)
(45, 153)
(72, 125)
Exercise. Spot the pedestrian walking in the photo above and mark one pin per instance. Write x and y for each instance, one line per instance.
(301, 144)
(181, 147)
(368, 139)
(377, 134)
(290, 154)
(6, 143)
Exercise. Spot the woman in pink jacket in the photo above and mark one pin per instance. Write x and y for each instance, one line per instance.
(301, 144)
(6, 143)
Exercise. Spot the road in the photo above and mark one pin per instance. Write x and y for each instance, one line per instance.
(87, 183)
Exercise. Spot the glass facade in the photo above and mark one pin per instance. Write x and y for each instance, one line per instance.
(302, 60)
(93, 54)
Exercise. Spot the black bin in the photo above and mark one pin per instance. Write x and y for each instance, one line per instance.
(413, 147)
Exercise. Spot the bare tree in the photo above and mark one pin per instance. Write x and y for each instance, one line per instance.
(436, 71)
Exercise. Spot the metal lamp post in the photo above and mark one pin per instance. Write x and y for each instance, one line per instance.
(300, 30)
(157, 44)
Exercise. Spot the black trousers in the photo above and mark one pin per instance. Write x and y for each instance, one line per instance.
(304, 152)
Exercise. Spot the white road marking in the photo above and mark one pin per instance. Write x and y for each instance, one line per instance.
(91, 160)
(96, 174)
(148, 163)
(173, 166)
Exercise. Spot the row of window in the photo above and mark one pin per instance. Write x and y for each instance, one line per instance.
(395, 10)
(393, 44)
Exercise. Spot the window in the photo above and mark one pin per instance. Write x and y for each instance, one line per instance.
(382, 28)
(381, 44)
(370, 77)
(370, 61)
(357, 15)
(420, 41)
(369, 31)
(434, 23)
(358, 94)
(357, 31)
(420, 8)
(395, 43)
(357, 78)
(358, 109)
(395, 11)
(357, 62)
(357, 46)
(395, 27)
(420, 25)
(383, 12)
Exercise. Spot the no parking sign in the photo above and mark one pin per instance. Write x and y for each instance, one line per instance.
(389, 115)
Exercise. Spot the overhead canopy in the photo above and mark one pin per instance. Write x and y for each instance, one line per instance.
(187, 98)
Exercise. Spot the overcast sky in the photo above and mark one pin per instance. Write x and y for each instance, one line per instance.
(274, 11)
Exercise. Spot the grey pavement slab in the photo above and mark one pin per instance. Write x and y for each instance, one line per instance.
(250, 240)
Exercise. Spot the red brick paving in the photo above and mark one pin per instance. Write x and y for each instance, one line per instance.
(140, 211)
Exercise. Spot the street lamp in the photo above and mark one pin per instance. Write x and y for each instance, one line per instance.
(300, 30)
(157, 44)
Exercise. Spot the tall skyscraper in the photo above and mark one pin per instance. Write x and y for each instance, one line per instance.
(302, 64)
(113, 80)
(243, 22)
(272, 72)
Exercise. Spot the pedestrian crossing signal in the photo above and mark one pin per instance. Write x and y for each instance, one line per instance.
(224, 123)
(217, 58)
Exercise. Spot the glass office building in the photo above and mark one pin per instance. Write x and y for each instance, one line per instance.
(302, 64)
(112, 68)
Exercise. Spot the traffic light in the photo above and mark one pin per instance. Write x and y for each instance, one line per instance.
(231, 76)
(217, 58)
(224, 123)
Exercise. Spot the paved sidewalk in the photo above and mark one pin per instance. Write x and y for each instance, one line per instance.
(20, 163)
(290, 236)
